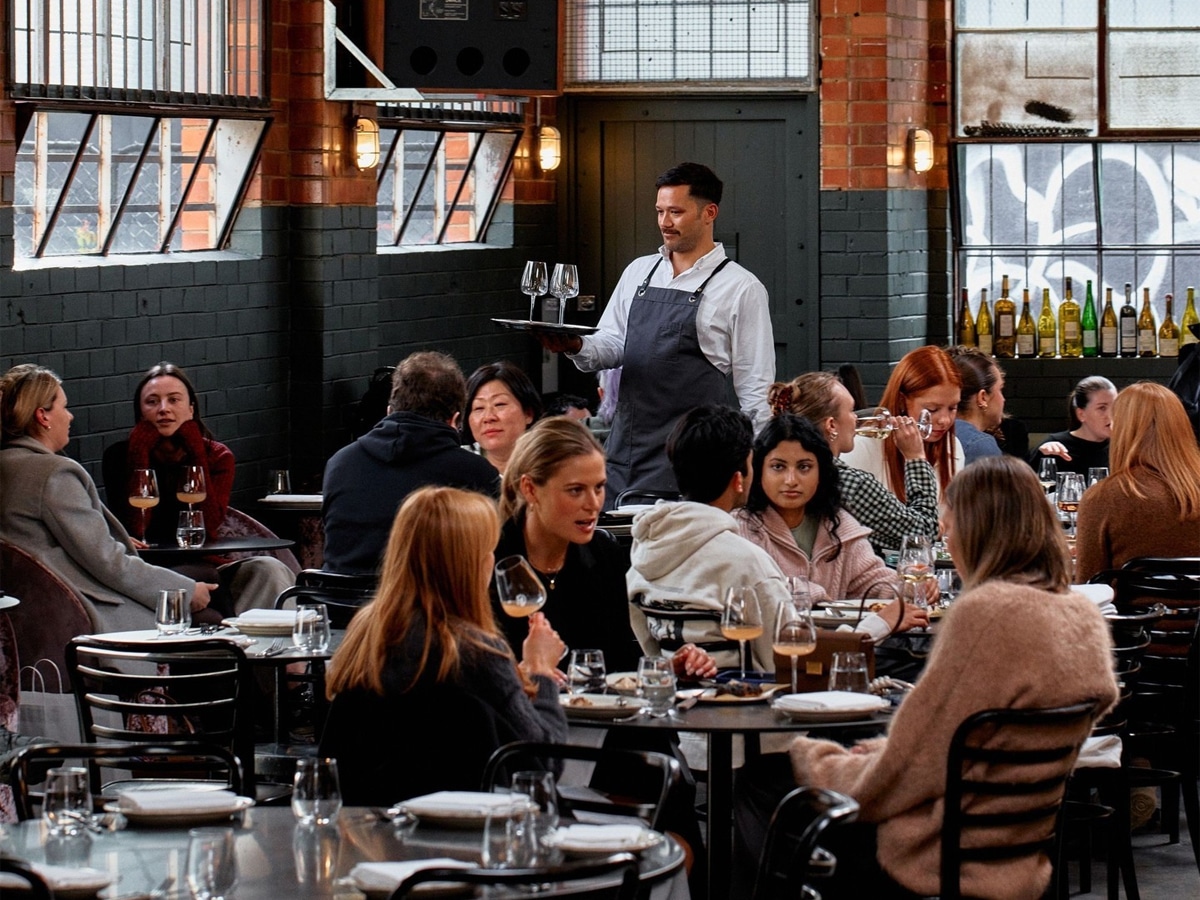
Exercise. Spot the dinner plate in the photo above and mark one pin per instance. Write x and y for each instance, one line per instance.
(292, 501)
(263, 629)
(569, 841)
(600, 706)
(710, 695)
(382, 879)
(547, 327)
(171, 818)
(864, 707)
(455, 809)
(7, 602)
(65, 882)
(622, 682)
(151, 636)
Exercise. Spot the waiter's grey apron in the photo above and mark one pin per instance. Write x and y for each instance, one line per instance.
(664, 375)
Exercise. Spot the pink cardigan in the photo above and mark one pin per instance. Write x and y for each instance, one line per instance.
(854, 573)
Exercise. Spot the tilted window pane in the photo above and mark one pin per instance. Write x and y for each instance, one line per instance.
(1154, 79)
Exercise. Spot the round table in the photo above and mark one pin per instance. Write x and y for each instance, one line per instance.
(278, 858)
(165, 554)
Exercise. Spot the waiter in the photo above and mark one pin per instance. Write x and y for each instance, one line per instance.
(682, 322)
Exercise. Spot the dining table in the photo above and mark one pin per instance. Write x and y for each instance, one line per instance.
(720, 722)
(279, 858)
(162, 554)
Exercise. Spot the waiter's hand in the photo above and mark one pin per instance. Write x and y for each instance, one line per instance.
(559, 343)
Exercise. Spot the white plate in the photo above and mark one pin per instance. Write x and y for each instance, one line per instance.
(293, 501)
(429, 808)
(170, 818)
(628, 512)
(601, 706)
(262, 629)
(645, 840)
(864, 707)
(372, 884)
(710, 695)
(148, 636)
(613, 678)
(65, 882)
(7, 602)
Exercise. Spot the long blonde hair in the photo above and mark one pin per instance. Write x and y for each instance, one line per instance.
(1031, 549)
(539, 453)
(433, 573)
(1151, 432)
(26, 388)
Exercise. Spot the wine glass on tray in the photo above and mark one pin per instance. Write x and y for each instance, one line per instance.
(534, 283)
(740, 619)
(564, 284)
(143, 495)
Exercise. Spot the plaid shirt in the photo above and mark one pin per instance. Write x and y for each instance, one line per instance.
(865, 498)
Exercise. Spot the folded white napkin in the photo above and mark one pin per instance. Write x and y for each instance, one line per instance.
(60, 878)
(1102, 752)
(601, 835)
(830, 701)
(1100, 594)
(472, 802)
(268, 617)
(385, 876)
(171, 799)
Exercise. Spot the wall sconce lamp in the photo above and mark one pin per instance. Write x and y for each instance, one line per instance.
(549, 148)
(366, 143)
(920, 149)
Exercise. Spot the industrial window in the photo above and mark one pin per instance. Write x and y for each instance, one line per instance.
(692, 44)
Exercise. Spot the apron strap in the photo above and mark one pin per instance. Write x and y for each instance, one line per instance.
(641, 291)
(700, 290)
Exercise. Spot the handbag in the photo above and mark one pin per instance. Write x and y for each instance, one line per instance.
(813, 670)
(44, 713)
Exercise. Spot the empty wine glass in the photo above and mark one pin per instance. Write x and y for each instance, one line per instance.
(1048, 473)
(211, 863)
(585, 672)
(564, 284)
(1097, 474)
(794, 636)
(520, 591)
(192, 488)
(1070, 491)
(143, 495)
(800, 589)
(534, 283)
(740, 619)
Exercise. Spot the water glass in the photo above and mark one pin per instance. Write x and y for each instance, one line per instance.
(542, 791)
(190, 530)
(211, 863)
(656, 684)
(585, 672)
(509, 841)
(1097, 473)
(279, 481)
(848, 672)
(315, 851)
(316, 791)
(173, 614)
(311, 631)
(67, 805)
(801, 591)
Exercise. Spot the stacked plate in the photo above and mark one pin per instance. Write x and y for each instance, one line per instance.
(829, 706)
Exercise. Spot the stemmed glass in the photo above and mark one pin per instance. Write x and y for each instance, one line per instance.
(192, 488)
(1070, 490)
(564, 284)
(794, 636)
(533, 283)
(143, 495)
(740, 619)
(915, 566)
(1048, 473)
(520, 591)
(876, 422)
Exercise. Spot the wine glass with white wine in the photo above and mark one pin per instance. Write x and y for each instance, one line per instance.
(1070, 491)
(916, 567)
(534, 283)
(876, 422)
(520, 591)
(143, 496)
(794, 636)
(741, 620)
(192, 489)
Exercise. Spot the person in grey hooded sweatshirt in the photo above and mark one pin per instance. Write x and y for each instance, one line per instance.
(416, 444)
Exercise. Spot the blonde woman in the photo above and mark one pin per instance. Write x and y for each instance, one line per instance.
(1150, 503)
(425, 657)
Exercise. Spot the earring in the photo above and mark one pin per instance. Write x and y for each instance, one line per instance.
(833, 434)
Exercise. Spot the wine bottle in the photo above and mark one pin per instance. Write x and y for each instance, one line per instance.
(1047, 332)
(1005, 345)
(1089, 325)
(1026, 330)
(983, 324)
(1070, 341)
(1128, 326)
(1108, 326)
(1168, 334)
(966, 323)
(1186, 334)
(1147, 331)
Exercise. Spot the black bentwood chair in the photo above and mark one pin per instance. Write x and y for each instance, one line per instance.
(790, 855)
(34, 886)
(625, 864)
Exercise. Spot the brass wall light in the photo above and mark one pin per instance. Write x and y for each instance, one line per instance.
(920, 149)
(549, 148)
(366, 143)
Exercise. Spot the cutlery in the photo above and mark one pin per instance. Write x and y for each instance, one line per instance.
(274, 650)
(687, 704)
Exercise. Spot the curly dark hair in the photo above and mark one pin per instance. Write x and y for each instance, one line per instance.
(827, 499)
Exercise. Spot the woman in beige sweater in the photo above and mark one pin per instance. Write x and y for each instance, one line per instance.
(1016, 637)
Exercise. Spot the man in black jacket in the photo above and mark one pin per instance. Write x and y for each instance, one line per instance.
(414, 445)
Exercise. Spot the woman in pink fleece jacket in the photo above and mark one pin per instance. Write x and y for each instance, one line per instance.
(1016, 638)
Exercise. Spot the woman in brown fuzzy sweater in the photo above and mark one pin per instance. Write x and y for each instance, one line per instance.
(1016, 638)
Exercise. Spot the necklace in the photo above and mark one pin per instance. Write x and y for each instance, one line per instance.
(550, 576)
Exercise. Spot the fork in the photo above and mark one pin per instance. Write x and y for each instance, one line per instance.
(274, 650)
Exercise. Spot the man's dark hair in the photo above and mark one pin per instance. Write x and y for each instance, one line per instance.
(707, 447)
(559, 404)
(702, 182)
(429, 384)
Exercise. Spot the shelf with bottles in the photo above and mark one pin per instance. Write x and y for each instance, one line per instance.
(1071, 331)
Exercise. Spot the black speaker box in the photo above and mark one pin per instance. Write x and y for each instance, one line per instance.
(488, 46)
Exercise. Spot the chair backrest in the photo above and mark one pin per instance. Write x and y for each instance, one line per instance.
(678, 615)
(51, 611)
(340, 602)
(177, 692)
(35, 886)
(1005, 776)
(363, 585)
(796, 825)
(240, 524)
(623, 864)
(181, 760)
(643, 495)
(647, 777)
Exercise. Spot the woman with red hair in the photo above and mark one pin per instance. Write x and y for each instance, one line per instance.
(925, 379)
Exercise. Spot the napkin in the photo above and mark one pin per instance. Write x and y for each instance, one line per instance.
(385, 876)
(268, 617)
(291, 498)
(830, 701)
(149, 801)
(60, 878)
(469, 802)
(602, 835)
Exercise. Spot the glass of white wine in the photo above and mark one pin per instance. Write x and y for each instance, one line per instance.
(741, 620)
(1070, 491)
(564, 284)
(915, 566)
(876, 422)
(192, 489)
(143, 495)
(794, 636)
(534, 283)
(1048, 473)
(520, 591)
